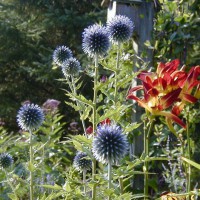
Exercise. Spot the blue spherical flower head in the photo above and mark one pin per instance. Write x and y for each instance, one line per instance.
(95, 40)
(120, 28)
(110, 144)
(71, 67)
(6, 160)
(82, 161)
(30, 117)
(61, 54)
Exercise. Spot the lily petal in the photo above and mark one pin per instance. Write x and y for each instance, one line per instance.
(140, 102)
(173, 118)
(167, 100)
(189, 98)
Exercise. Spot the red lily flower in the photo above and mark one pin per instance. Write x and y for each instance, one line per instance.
(161, 89)
(188, 87)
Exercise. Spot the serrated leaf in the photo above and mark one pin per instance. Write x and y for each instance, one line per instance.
(125, 196)
(12, 196)
(108, 192)
(86, 113)
(133, 164)
(56, 130)
(114, 112)
(77, 145)
(80, 98)
(74, 106)
(155, 158)
(54, 187)
(68, 188)
(82, 138)
(79, 85)
(131, 127)
(31, 167)
(53, 195)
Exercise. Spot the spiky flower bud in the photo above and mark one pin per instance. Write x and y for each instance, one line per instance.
(61, 54)
(30, 117)
(71, 67)
(6, 160)
(110, 144)
(82, 161)
(120, 28)
(95, 40)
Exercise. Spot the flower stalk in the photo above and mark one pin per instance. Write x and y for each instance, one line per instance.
(109, 176)
(84, 180)
(94, 121)
(117, 72)
(31, 164)
(146, 152)
(189, 157)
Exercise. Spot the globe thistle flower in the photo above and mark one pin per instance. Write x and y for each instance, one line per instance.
(120, 28)
(6, 160)
(61, 54)
(95, 40)
(71, 67)
(82, 162)
(30, 117)
(110, 144)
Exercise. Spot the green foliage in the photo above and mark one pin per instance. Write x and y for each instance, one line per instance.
(176, 32)
(30, 30)
(51, 160)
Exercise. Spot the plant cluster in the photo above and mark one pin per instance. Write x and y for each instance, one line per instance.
(96, 162)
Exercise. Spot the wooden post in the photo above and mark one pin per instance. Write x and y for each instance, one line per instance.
(141, 13)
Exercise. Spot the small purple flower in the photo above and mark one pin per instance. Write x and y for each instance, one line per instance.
(120, 28)
(30, 117)
(82, 161)
(61, 54)
(103, 79)
(110, 144)
(95, 40)
(71, 67)
(51, 105)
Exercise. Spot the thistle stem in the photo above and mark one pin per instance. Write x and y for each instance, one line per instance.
(95, 93)
(94, 123)
(189, 157)
(43, 168)
(31, 163)
(116, 73)
(77, 103)
(146, 152)
(84, 180)
(121, 185)
(93, 179)
(109, 176)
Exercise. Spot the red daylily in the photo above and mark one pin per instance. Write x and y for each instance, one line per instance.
(188, 87)
(161, 89)
(166, 79)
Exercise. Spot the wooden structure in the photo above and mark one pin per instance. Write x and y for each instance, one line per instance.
(141, 12)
